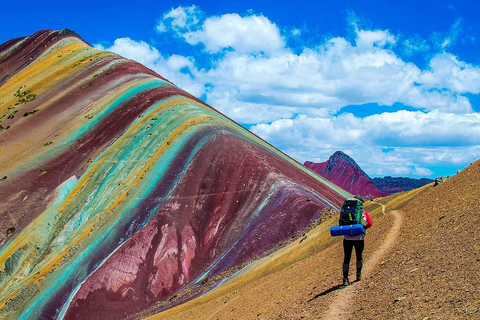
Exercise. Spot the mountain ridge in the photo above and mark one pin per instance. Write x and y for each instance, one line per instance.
(391, 185)
(120, 189)
(344, 171)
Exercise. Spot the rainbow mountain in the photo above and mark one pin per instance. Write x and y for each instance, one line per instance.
(122, 195)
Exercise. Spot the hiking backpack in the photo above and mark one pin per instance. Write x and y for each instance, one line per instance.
(351, 212)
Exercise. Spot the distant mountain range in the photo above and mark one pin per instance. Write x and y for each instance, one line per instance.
(398, 184)
(346, 173)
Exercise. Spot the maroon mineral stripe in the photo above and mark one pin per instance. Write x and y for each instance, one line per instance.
(25, 53)
(10, 43)
(96, 300)
(222, 182)
(90, 89)
(30, 49)
(73, 161)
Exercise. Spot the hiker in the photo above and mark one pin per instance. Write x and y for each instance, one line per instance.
(357, 241)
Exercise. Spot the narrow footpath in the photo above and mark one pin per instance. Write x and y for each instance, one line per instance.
(340, 305)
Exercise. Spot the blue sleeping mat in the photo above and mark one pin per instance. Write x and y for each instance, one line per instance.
(350, 230)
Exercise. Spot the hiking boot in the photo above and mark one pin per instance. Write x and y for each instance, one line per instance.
(359, 270)
(359, 276)
(345, 275)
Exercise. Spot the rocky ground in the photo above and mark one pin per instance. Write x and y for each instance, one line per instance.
(422, 262)
(433, 270)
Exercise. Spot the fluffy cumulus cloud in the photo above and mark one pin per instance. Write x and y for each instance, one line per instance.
(180, 19)
(294, 98)
(373, 38)
(447, 72)
(242, 34)
(247, 34)
(396, 129)
(179, 69)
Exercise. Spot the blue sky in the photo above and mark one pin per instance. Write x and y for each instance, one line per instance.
(394, 85)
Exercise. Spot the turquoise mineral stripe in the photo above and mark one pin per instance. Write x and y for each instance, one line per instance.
(59, 44)
(77, 267)
(15, 46)
(103, 113)
(100, 192)
(97, 193)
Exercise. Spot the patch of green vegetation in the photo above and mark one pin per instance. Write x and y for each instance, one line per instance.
(4, 178)
(44, 170)
(89, 116)
(26, 114)
(24, 95)
(12, 114)
(86, 86)
(48, 143)
(204, 281)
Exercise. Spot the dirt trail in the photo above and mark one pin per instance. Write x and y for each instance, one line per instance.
(339, 307)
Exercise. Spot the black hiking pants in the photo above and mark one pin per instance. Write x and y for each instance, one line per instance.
(348, 248)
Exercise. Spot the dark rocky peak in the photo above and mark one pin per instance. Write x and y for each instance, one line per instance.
(339, 157)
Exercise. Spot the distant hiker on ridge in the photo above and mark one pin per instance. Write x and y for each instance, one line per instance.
(352, 213)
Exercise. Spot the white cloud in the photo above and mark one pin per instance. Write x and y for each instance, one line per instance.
(415, 44)
(446, 71)
(444, 40)
(418, 139)
(424, 172)
(291, 97)
(327, 77)
(243, 34)
(180, 19)
(393, 129)
(374, 38)
(139, 51)
(331, 76)
(178, 69)
(251, 33)
(296, 32)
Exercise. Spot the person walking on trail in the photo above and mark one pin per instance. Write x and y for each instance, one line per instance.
(357, 242)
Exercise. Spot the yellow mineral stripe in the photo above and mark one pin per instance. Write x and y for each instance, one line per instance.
(51, 264)
(49, 70)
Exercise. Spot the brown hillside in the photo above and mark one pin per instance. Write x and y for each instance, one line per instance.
(433, 270)
(422, 261)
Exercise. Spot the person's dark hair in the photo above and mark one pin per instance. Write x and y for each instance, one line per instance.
(359, 198)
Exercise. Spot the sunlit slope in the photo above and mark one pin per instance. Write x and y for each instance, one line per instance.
(118, 189)
(285, 283)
